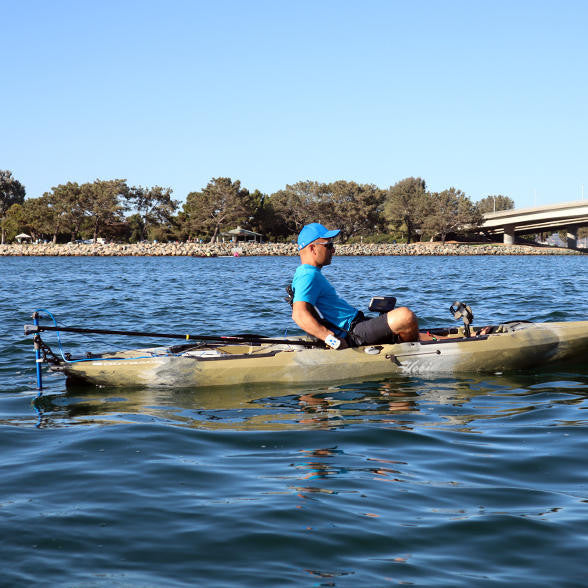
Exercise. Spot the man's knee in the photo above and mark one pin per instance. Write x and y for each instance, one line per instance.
(403, 322)
(401, 318)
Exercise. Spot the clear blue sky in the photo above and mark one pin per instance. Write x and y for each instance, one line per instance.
(489, 97)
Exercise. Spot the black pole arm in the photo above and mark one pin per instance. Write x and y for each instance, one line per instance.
(30, 329)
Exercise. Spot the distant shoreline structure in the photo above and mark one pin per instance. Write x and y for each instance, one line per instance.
(272, 249)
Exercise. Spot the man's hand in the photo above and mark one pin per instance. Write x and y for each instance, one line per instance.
(336, 343)
(333, 342)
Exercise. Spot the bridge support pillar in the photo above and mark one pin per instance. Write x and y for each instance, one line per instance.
(509, 234)
(572, 237)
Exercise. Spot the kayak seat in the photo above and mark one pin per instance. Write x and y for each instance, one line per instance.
(290, 300)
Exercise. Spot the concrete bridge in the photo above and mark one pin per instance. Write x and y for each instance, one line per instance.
(567, 216)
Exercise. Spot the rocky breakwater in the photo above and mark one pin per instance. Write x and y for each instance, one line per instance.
(445, 249)
(119, 249)
(280, 249)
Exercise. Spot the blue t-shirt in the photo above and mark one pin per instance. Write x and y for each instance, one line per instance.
(311, 286)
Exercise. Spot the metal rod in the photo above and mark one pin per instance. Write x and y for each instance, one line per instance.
(36, 328)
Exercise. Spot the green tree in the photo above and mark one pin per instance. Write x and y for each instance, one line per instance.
(289, 211)
(299, 204)
(222, 202)
(102, 202)
(354, 208)
(11, 192)
(69, 200)
(154, 206)
(65, 209)
(57, 212)
(265, 221)
(136, 228)
(451, 211)
(495, 203)
(15, 222)
(32, 216)
(405, 205)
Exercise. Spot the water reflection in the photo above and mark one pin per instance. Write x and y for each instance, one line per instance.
(400, 403)
(318, 465)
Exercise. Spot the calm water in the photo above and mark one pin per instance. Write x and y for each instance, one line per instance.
(473, 481)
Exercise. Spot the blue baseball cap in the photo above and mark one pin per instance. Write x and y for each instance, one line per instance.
(315, 231)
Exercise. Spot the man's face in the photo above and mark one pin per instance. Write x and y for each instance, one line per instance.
(323, 250)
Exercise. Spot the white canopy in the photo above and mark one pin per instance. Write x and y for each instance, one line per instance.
(244, 233)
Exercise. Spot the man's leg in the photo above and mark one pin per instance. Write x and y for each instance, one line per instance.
(401, 322)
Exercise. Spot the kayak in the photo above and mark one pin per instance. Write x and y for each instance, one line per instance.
(491, 349)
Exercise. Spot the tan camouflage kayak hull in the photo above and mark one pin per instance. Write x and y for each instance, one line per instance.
(511, 346)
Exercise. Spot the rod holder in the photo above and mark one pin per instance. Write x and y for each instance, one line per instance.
(463, 311)
(37, 346)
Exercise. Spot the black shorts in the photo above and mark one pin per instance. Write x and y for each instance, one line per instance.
(369, 331)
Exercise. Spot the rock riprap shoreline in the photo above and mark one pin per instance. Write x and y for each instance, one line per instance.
(279, 249)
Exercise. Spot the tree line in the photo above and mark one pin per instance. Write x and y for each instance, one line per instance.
(112, 209)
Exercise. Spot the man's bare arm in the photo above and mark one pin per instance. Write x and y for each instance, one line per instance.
(304, 315)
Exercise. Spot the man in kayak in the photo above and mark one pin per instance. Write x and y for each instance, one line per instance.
(339, 324)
